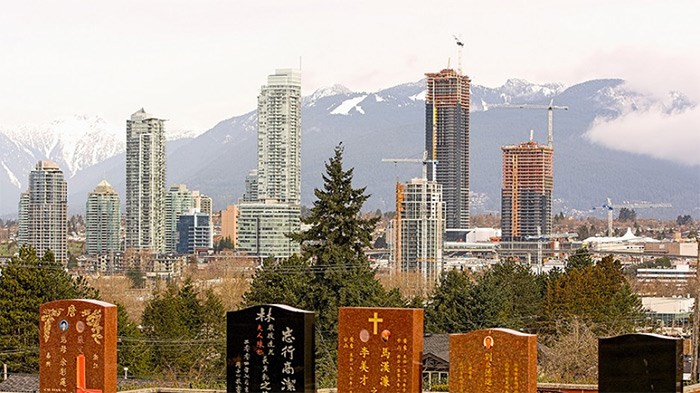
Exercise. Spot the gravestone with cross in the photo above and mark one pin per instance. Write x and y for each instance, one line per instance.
(640, 363)
(270, 348)
(493, 361)
(77, 347)
(379, 350)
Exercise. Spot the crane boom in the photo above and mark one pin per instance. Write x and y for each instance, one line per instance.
(609, 206)
(550, 108)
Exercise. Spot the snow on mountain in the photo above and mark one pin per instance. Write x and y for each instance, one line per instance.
(13, 178)
(331, 91)
(345, 106)
(372, 125)
(74, 142)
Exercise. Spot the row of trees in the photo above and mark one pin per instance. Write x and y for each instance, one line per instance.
(182, 333)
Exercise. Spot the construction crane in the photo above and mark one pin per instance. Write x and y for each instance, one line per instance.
(425, 161)
(550, 108)
(543, 238)
(399, 199)
(609, 206)
(460, 45)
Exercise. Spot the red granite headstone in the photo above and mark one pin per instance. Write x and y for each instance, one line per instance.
(380, 350)
(493, 361)
(77, 347)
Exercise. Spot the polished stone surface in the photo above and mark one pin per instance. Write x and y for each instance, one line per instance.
(493, 361)
(640, 363)
(379, 350)
(270, 348)
(77, 347)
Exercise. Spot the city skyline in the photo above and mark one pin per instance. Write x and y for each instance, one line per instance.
(210, 58)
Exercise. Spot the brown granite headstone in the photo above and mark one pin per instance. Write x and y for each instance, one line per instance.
(493, 361)
(77, 347)
(380, 350)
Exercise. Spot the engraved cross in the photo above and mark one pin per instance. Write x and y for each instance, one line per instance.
(375, 320)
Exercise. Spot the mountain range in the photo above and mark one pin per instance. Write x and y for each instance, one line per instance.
(373, 125)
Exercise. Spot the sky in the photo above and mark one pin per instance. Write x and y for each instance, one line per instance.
(198, 62)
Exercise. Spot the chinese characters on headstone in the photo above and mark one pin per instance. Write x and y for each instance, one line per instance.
(379, 350)
(493, 361)
(77, 347)
(270, 348)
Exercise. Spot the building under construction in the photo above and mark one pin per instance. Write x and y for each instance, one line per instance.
(447, 141)
(418, 228)
(526, 194)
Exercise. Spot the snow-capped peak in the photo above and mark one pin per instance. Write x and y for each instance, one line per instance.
(74, 142)
(331, 91)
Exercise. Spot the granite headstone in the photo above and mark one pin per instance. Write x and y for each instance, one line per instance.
(640, 363)
(493, 361)
(77, 347)
(270, 348)
(380, 350)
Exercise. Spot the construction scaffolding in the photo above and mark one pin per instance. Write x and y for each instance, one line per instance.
(526, 193)
(447, 141)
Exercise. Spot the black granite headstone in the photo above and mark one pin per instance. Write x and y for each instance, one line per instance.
(640, 363)
(270, 348)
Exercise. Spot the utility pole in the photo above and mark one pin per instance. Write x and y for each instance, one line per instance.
(696, 319)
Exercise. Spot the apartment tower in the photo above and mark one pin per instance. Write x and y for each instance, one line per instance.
(447, 141)
(421, 229)
(43, 222)
(279, 138)
(178, 200)
(273, 209)
(145, 182)
(102, 220)
(526, 194)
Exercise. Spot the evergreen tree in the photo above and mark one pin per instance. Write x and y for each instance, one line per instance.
(598, 295)
(186, 332)
(506, 295)
(138, 281)
(338, 235)
(451, 304)
(132, 351)
(581, 259)
(25, 283)
(283, 282)
(333, 270)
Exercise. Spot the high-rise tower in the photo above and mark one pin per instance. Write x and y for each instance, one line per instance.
(102, 220)
(178, 200)
(526, 194)
(43, 211)
(422, 228)
(279, 138)
(271, 206)
(145, 182)
(447, 141)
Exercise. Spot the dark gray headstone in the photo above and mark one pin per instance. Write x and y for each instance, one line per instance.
(270, 348)
(640, 363)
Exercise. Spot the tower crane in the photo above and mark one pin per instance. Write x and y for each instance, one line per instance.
(460, 45)
(609, 206)
(543, 238)
(550, 108)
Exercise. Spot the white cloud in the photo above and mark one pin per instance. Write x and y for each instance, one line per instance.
(674, 137)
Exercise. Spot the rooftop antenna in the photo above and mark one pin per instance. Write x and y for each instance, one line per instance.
(532, 135)
(460, 45)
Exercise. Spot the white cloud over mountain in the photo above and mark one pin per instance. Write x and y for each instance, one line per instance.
(673, 136)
